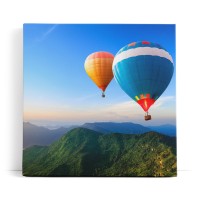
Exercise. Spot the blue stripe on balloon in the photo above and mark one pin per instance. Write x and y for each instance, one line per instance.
(144, 75)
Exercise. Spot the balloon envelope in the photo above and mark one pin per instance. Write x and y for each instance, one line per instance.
(98, 66)
(143, 70)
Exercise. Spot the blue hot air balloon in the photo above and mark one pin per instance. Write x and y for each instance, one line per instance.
(143, 70)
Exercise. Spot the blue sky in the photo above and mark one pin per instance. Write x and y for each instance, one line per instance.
(57, 90)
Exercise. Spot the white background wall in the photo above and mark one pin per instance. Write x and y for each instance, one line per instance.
(183, 13)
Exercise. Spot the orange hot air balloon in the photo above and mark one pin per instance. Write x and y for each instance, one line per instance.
(98, 67)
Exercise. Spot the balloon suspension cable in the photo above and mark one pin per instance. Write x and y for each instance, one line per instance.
(103, 94)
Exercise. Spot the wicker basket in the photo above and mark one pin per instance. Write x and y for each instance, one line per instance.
(147, 117)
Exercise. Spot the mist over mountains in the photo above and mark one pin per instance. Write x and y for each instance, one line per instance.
(38, 135)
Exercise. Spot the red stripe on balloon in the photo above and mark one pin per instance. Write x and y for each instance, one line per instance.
(145, 42)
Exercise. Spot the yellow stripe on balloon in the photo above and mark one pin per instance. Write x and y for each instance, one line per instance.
(136, 97)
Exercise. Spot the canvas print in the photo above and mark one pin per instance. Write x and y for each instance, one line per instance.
(99, 100)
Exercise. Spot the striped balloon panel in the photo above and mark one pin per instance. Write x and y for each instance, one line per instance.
(143, 70)
(143, 75)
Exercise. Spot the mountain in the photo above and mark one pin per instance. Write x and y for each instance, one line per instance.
(129, 128)
(84, 152)
(111, 127)
(166, 129)
(38, 135)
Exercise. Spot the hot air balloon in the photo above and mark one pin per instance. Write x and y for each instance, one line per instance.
(98, 66)
(143, 70)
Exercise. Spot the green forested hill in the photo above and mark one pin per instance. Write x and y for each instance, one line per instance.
(83, 152)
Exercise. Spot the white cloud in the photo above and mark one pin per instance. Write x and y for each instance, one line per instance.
(130, 110)
(163, 100)
(164, 109)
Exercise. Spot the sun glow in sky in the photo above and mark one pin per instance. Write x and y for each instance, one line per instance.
(57, 90)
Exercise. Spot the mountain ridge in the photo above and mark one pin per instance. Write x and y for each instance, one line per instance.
(39, 135)
(114, 127)
(84, 152)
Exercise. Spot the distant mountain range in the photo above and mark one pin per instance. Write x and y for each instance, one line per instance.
(166, 129)
(111, 127)
(84, 152)
(129, 128)
(38, 135)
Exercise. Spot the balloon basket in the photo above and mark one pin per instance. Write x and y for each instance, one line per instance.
(147, 117)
